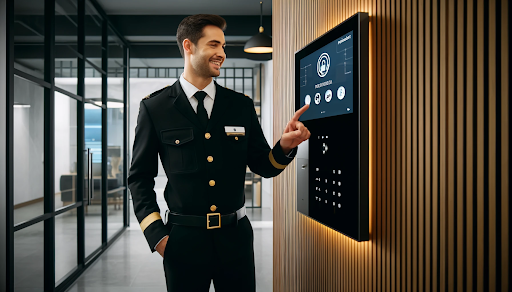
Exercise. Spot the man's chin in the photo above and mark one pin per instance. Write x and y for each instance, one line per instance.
(215, 73)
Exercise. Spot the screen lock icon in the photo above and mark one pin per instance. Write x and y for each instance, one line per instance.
(323, 64)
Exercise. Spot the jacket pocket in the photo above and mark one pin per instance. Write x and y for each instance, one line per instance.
(235, 144)
(179, 149)
(167, 250)
(235, 150)
(236, 140)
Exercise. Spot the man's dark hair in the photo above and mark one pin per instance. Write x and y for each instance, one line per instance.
(192, 28)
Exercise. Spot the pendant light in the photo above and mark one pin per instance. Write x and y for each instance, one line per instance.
(260, 43)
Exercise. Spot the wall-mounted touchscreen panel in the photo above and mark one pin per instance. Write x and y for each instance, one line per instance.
(327, 79)
(331, 75)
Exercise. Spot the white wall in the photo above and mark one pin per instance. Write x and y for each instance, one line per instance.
(65, 137)
(28, 141)
(115, 122)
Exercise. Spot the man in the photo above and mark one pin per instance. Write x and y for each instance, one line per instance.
(205, 135)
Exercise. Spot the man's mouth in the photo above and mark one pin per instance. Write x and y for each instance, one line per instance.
(218, 63)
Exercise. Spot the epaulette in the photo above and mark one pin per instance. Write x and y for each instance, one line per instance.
(155, 93)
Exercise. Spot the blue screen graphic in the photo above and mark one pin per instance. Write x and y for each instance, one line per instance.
(327, 80)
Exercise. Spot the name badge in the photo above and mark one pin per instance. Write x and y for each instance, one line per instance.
(234, 131)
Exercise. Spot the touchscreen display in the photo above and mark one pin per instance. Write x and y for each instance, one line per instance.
(331, 75)
(327, 80)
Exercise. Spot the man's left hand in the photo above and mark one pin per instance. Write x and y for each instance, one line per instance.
(295, 132)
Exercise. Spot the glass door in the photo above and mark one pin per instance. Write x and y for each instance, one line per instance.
(116, 118)
(93, 131)
(66, 174)
(93, 172)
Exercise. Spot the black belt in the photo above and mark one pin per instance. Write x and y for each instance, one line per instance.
(210, 221)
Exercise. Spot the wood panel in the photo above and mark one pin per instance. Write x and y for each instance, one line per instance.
(439, 150)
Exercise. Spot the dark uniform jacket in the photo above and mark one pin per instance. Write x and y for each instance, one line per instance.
(203, 167)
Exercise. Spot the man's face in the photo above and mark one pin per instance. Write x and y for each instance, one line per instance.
(207, 57)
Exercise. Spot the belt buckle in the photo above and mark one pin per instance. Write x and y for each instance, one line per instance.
(208, 220)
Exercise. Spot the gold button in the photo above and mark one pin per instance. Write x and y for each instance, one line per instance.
(207, 135)
(212, 183)
(213, 208)
(177, 141)
(210, 158)
(236, 138)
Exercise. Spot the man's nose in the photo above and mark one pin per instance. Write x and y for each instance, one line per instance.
(221, 53)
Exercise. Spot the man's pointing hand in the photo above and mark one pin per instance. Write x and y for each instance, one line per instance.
(295, 132)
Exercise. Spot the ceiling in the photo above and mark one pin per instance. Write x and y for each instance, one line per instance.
(181, 7)
(150, 25)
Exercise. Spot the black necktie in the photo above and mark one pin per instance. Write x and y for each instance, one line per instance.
(201, 111)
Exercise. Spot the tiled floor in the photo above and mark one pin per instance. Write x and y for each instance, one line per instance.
(128, 265)
(29, 243)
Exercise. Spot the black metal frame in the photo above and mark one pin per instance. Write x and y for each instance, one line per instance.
(6, 232)
(6, 159)
(126, 63)
(104, 132)
(49, 145)
(80, 90)
(9, 284)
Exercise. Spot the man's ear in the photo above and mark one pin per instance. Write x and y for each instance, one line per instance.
(187, 46)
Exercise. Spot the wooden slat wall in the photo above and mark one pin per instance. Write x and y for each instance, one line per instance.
(439, 150)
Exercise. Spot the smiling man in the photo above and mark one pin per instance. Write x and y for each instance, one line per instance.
(206, 135)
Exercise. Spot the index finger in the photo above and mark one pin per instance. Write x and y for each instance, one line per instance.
(299, 113)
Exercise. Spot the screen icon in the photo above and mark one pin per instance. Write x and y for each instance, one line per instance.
(341, 92)
(323, 64)
(307, 100)
(328, 95)
(318, 97)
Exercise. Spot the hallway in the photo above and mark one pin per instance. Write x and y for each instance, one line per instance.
(129, 266)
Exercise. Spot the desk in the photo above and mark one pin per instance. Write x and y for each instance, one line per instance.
(68, 186)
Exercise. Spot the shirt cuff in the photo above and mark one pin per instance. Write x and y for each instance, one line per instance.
(292, 153)
(159, 242)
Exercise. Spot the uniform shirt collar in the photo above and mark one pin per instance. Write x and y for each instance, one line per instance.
(190, 89)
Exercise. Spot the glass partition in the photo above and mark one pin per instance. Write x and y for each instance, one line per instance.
(29, 258)
(93, 24)
(28, 30)
(66, 41)
(93, 201)
(28, 150)
(66, 243)
(116, 187)
(66, 188)
(93, 82)
(58, 170)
